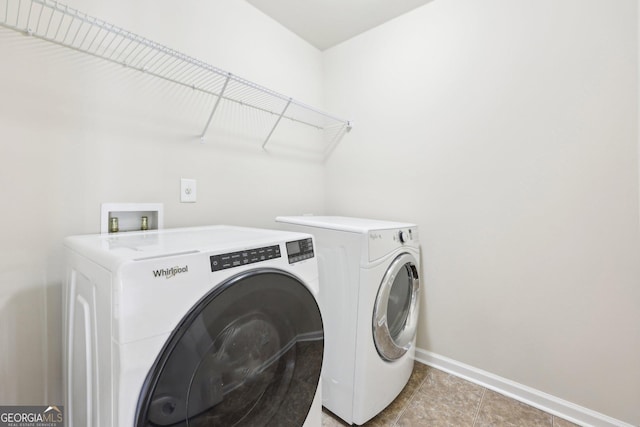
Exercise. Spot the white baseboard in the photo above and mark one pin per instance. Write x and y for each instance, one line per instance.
(536, 398)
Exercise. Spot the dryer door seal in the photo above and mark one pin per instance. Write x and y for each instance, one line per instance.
(395, 313)
(249, 353)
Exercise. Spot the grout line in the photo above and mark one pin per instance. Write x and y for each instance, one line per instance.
(475, 418)
(404, 408)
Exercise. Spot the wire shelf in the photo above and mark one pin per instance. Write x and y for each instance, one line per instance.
(57, 23)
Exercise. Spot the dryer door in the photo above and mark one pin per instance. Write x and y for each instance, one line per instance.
(395, 314)
(248, 354)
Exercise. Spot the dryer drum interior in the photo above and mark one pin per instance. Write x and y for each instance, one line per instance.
(248, 354)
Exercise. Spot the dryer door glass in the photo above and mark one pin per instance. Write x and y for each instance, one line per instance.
(395, 314)
(248, 354)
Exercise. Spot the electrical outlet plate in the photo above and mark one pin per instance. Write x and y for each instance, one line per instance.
(187, 190)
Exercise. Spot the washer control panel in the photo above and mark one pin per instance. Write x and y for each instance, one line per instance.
(249, 256)
(299, 250)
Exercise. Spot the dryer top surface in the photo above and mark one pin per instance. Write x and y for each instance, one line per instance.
(342, 223)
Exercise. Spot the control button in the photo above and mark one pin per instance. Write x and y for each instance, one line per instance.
(403, 236)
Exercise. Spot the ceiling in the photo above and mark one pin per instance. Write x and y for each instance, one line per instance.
(326, 23)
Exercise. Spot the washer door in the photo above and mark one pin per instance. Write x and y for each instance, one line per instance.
(395, 314)
(248, 354)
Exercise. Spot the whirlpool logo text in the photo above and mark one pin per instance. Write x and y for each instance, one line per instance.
(168, 273)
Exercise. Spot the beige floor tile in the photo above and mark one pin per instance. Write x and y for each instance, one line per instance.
(390, 414)
(331, 420)
(442, 400)
(499, 410)
(559, 422)
(433, 398)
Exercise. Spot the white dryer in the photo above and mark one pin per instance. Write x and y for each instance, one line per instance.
(192, 327)
(369, 294)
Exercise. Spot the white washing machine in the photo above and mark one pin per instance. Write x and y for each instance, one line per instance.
(369, 294)
(191, 327)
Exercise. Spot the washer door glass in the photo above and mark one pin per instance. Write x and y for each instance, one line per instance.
(395, 314)
(248, 354)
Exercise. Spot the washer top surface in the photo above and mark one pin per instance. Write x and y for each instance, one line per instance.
(110, 250)
(343, 223)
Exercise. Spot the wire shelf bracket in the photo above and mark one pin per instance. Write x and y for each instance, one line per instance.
(215, 107)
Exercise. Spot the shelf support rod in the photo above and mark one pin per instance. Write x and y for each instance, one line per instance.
(275, 125)
(215, 106)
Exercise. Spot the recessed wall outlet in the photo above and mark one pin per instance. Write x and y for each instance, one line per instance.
(187, 190)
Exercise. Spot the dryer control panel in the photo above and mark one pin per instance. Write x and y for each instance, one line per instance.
(382, 242)
(299, 250)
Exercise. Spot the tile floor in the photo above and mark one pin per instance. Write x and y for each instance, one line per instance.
(434, 398)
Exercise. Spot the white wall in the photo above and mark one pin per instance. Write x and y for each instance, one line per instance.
(76, 132)
(507, 130)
